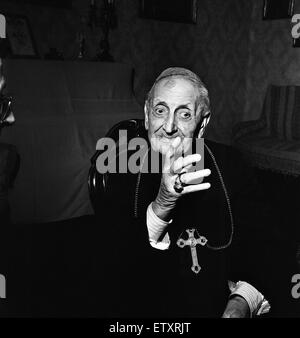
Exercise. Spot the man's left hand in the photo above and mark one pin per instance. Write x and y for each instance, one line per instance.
(237, 307)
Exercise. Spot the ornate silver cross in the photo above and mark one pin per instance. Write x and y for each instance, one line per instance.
(192, 242)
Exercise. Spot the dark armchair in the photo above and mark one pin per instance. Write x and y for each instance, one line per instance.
(97, 182)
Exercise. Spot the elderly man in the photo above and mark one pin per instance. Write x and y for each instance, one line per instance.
(179, 239)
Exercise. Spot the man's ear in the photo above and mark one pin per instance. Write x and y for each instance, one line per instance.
(146, 116)
(204, 123)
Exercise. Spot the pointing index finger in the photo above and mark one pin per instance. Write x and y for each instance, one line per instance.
(170, 154)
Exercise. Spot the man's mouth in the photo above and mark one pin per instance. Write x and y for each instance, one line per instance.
(168, 137)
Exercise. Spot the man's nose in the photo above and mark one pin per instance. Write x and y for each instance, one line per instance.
(170, 125)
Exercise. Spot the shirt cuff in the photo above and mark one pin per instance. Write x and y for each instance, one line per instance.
(257, 303)
(156, 229)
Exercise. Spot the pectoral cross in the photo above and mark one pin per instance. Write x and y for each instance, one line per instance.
(192, 242)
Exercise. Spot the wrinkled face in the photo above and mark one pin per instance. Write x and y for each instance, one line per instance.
(173, 112)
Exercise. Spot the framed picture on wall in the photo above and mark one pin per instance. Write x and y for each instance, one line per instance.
(169, 10)
(20, 38)
(278, 9)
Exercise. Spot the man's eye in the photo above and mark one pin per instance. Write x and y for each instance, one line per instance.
(184, 114)
(160, 111)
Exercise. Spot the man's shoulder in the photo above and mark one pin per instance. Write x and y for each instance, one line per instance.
(231, 163)
(217, 145)
(223, 151)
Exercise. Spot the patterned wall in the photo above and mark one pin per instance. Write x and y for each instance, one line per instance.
(272, 59)
(217, 47)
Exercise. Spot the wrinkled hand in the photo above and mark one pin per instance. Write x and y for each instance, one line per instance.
(167, 196)
(237, 307)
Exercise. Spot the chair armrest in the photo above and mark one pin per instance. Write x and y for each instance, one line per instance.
(243, 128)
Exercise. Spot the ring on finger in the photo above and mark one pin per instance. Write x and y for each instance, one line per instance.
(179, 185)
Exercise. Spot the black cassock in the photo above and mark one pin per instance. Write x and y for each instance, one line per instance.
(140, 281)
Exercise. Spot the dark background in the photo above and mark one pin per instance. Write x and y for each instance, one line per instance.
(234, 51)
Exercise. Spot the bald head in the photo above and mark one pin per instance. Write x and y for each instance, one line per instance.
(170, 74)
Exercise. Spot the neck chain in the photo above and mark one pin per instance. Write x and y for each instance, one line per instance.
(211, 247)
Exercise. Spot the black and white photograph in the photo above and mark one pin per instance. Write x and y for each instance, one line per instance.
(150, 162)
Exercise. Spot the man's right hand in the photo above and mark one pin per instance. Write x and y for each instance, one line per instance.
(167, 197)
